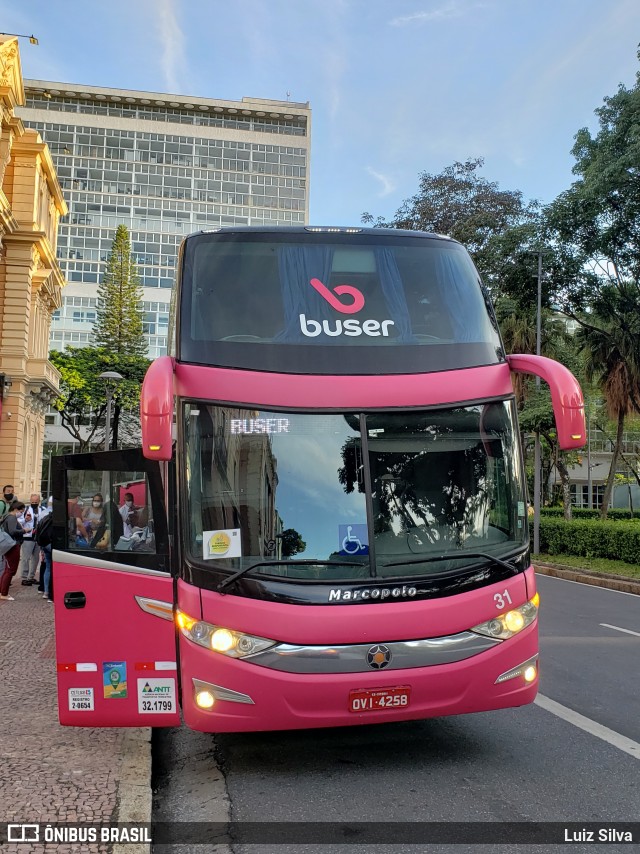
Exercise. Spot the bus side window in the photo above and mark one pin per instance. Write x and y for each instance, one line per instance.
(109, 511)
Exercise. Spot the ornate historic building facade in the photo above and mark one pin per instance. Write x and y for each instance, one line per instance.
(31, 204)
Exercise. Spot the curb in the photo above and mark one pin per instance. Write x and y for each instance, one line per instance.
(134, 787)
(587, 576)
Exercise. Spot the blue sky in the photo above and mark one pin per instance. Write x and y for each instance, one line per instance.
(396, 88)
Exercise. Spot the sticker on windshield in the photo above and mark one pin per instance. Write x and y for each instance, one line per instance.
(353, 540)
(520, 508)
(218, 544)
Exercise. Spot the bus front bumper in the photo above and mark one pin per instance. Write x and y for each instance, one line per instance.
(248, 697)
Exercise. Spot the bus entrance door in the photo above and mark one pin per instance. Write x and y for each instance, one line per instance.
(113, 592)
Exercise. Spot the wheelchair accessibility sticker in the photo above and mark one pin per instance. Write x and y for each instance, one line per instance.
(353, 540)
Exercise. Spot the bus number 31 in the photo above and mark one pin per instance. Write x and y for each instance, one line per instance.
(502, 600)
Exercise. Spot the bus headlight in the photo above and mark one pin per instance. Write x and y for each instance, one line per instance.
(220, 639)
(509, 624)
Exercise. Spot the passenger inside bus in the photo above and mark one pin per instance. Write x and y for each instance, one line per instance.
(97, 524)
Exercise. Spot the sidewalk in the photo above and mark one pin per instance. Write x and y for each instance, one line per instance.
(51, 773)
(588, 576)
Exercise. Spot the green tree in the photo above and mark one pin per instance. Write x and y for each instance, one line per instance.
(118, 324)
(598, 217)
(465, 205)
(597, 221)
(292, 543)
(610, 342)
(81, 402)
(119, 330)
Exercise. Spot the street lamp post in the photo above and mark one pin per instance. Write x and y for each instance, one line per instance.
(536, 463)
(110, 378)
(589, 466)
(31, 38)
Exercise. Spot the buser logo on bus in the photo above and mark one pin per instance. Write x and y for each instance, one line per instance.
(352, 327)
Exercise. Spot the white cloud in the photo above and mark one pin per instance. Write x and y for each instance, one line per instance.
(388, 186)
(172, 40)
(449, 10)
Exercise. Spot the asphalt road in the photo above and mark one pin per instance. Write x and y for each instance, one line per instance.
(591, 669)
(524, 764)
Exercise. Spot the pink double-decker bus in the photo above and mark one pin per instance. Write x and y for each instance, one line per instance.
(327, 522)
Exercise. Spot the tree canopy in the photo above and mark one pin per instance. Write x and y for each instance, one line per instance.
(82, 401)
(463, 204)
(597, 221)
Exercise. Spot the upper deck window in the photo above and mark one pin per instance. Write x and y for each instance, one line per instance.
(338, 304)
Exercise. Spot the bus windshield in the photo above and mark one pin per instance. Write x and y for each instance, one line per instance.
(333, 303)
(359, 493)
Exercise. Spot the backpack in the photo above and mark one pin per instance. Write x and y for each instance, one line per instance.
(44, 530)
(6, 540)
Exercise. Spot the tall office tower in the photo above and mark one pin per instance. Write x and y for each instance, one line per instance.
(164, 166)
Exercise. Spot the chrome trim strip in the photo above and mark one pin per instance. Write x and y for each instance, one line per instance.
(81, 558)
(518, 670)
(221, 693)
(155, 607)
(353, 658)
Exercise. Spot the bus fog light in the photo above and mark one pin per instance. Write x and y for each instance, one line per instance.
(528, 670)
(222, 640)
(205, 700)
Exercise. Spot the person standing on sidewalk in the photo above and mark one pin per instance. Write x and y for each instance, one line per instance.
(43, 539)
(30, 551)
(12, 526)
(5, 502)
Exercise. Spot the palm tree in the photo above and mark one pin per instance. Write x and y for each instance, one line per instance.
(610, 340)
(518, 328)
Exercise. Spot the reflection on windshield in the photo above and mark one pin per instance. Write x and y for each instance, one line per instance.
(292, 487)
(444, 481)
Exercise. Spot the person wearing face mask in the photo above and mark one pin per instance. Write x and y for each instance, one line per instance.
(92, 519)
(5, 502)
(30, 551)
(12, 526)
(129, 514)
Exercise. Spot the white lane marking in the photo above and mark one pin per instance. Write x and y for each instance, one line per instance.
(584, 584)
(623, 743)
(618, 629)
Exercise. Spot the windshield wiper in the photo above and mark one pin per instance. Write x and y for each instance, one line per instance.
(456, 556)
(246, 569)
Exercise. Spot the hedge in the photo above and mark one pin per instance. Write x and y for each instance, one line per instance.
(591, 538)
(615, 515)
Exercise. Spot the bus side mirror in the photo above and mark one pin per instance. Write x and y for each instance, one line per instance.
(156, 410)
(566, 396)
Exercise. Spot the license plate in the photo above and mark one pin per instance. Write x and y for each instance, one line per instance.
(376, 699)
